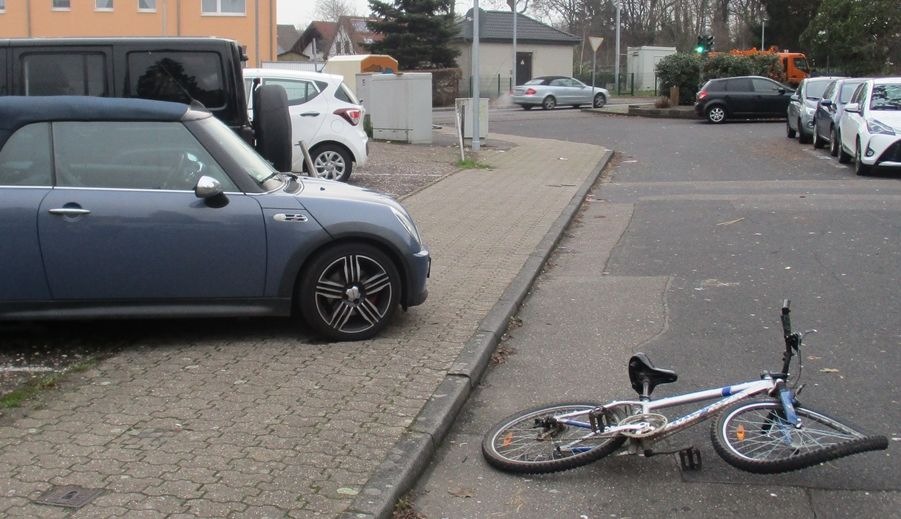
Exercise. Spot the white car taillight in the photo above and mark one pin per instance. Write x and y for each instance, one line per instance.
(351, 115)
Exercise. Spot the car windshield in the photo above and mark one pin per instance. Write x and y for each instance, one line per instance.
(886, 97)
(815, 89)
(246, 157)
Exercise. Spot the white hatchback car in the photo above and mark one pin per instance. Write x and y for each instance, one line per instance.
(325, 115)
(871, 126)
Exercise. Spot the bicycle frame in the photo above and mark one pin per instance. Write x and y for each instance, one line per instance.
(726, 395)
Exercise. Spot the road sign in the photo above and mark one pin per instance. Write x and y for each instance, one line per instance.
(596, 42)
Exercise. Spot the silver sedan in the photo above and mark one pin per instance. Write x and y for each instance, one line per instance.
(552, 91)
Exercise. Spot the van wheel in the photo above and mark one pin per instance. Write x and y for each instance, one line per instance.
(272, 125)
(818, 142)
(859, 167)
(843, 156)
(835, 143)
(332, 162)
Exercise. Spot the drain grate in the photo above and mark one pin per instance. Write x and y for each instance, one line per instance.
(70, 496)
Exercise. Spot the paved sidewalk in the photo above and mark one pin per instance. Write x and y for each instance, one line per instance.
(277, 427)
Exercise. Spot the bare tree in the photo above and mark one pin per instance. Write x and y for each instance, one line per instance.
(331, 10)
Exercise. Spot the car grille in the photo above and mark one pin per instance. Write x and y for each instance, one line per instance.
(892, 153)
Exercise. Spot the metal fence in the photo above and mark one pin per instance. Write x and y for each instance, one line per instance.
(491, 87)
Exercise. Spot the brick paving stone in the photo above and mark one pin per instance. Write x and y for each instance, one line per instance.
(269, 424)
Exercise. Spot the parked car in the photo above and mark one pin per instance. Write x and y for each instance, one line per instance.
(137, 208)
(829, 111)
(741, 97)
(552, 91)
(871, 126)
(325, 115)
(201, 71)
(802, 105)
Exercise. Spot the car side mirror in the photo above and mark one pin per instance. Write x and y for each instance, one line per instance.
(826, 102)
(795, 97)
(207, 187)
(853, 108)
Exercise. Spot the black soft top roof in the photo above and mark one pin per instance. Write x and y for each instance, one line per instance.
(17, 111)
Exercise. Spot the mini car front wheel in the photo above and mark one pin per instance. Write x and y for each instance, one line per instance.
(349, 292)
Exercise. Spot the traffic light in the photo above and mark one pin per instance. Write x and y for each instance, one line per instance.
(708, 43)
(699, 48)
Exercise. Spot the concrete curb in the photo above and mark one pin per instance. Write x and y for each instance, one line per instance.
(411, 455)
(644, 111)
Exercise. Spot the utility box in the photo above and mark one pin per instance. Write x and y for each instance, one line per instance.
(351, 65)
(641, 65)
(463, 106)
(399, 106)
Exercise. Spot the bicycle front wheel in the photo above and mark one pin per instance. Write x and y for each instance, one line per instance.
(755, 436)
(534, 442)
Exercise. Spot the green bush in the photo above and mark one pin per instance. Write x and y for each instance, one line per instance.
(682, 70)
(685, 71)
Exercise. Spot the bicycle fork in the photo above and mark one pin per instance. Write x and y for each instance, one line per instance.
(790, 419)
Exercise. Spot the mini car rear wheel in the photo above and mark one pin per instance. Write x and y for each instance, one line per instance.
(716, 114)
(349, 292)
(549, 103)
(332, 161)
(789, 131)
(599, 100)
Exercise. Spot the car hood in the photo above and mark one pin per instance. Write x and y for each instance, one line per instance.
(889, 117)
(318, 188)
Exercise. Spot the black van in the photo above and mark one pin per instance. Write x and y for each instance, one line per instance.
(198, 71)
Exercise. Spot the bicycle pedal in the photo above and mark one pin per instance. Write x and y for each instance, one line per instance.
(690, 458)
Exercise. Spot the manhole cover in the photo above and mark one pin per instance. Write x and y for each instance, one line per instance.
(71, 496)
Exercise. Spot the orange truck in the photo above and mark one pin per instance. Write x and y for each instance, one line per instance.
(794, 64)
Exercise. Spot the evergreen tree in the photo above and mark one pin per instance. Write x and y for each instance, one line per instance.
(787, 20)
(416, 32)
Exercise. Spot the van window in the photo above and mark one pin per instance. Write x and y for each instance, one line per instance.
(177, 76)
(69, 73)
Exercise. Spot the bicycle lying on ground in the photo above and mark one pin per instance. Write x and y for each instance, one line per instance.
(763, 435)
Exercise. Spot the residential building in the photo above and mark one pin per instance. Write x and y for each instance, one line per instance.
(541, 50)
(250, 22)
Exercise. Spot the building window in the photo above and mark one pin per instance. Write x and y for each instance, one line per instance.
(2, 5)
(146, 5)
(61, 4)
(103, 5)
(223, 6)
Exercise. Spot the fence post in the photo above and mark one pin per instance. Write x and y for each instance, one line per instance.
(632, 87)
(498, 85)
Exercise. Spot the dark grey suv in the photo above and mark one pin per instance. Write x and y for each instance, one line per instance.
(136, 208)
(742, 97)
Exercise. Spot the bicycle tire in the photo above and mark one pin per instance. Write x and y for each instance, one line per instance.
(509, 444)
(762, 449)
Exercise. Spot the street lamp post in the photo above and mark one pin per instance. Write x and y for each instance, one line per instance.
(616, 59)
(475, 74)
(762, 31)
(512, 4)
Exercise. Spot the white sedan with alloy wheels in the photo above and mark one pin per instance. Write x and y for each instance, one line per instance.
(871, 126)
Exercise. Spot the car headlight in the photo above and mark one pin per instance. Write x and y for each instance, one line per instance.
(874, 126)
(407, 222)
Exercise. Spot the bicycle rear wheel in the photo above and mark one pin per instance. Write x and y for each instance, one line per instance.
(754, 436)
(532, 442)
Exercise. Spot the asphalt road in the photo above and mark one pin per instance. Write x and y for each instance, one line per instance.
(685, 252)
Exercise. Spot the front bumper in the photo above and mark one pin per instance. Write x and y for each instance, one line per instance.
(420, 268)
(883, 150)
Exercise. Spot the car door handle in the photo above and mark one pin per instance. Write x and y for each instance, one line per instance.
(69, 211)
(309, 114)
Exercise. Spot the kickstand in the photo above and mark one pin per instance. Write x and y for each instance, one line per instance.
(690, 458)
